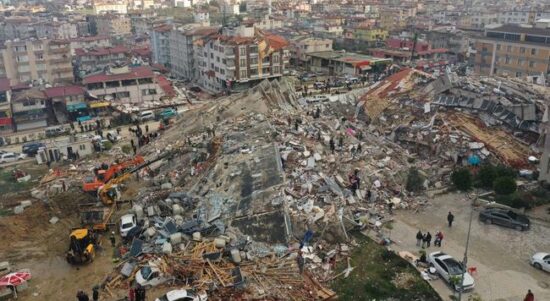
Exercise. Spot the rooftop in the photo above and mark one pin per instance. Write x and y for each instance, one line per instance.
(135, 73)
(512, 28)
(348, 57)
(64, 91)
(100, 51)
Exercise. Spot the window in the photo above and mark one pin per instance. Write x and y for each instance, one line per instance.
(242, 51)
(82, 147)
(220, 49)
(128, 82)
(507, 60)
(217, 69)
(242, 62)
(521, 61)
(275, 59)
(28, 103)
(243, 73)
(254, 61)
(218, 59)
(224, 61)
(522, 50)
(146, 92)
(222, 71)
(518, 74)
(509, 49)
(532, 64)
(211, 55)
(533, 51)
(120, 95)
(253, 72)
(276, 69)
(142, 81)
(498, 46)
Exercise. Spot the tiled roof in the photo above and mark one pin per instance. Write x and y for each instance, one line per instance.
(101, 51)
(64, 91)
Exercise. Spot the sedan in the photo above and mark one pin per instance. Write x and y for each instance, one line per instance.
(11, 157)
(181, 295)
(127, 223)
(506, 218)
(451, 270)
(541, 261)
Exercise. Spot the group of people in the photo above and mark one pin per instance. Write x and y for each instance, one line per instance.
(424, 240)
(83, 296)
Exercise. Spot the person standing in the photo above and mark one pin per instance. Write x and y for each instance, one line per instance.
(112, 239)
(424, 241)
(428, 239)
(332, 146)
(529, 296)
(132, 294)
(438, 239)
(450, 219)
(418, 238)
(95, 293)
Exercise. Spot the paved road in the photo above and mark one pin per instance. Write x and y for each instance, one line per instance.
(26, 160)
(500, 255)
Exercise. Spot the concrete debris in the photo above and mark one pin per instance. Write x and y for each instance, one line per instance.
(54, 220)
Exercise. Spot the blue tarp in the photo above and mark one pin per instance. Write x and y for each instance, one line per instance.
(84, 118)
(474, 160)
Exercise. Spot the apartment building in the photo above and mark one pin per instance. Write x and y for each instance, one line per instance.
(511, 50)
(239, 58)
(395, 17)
(477, 19)
(110, 25)
(159, 44)
(300, 48)
(108, 7)
(29, 109)
(125, 85)
(369, 35)
(516, 17)
(68, 103)
(6, 120)
(89, 42)
(88, 60)
(43, 60)
(181, 43)
(56, 30)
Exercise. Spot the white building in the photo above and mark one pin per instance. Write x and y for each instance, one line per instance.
(183, 3)
(202, 17)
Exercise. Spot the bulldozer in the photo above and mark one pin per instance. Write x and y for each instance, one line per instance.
(81, 246)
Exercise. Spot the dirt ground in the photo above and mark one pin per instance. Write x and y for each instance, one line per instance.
(500, 255)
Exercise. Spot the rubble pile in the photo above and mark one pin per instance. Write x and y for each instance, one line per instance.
(261, 188)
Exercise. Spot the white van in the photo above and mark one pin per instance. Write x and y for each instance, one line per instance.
(146, 115)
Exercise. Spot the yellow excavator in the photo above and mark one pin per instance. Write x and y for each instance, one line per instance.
(81, 247)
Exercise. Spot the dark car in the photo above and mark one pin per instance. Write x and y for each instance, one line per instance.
(506, 218)
(32, 148)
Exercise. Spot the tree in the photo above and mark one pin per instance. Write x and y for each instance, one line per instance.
(504, 185)
(414, 180)
(486, 176)
(505, 171)
(462, 179)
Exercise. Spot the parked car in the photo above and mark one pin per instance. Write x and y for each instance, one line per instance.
(451, 270)
(506, 218)
(32, 148)
(182, 295)
(127, 223)
(55, 131)
(541, 261)
(146, 115)
(150, 275)
(308, 76)
(167, 114)
(319, 85)
(11, 157)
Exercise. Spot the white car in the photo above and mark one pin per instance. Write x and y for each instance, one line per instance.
(541, 261)
(150, 275)
(127, 223)
(11, 157)
(182, 295)
(451, 270)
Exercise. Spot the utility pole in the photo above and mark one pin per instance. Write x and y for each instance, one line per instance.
(465, 260)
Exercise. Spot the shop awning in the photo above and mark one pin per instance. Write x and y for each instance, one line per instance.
(76, 106)
(99, 104)
(83, 118)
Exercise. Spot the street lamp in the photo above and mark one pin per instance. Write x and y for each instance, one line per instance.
(465, 260)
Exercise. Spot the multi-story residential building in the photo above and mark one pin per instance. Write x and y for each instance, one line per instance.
(513, 51)
(239, 58)
(159, 44)
(201, 17)
(37, 60)
(125, 85)
(68, 103)
(269, 23)
(341, 62)
(6, 120)
(89, 42)
(17, 28)
(56, 30)
(396, 17)
(477, 19)
(183, 3)
(516, 17)
(88, 60)
(181, 43)
(369, 35)
(109, 7)
(328, 30)
(110, 25)
(29, 109)
(301, 46)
